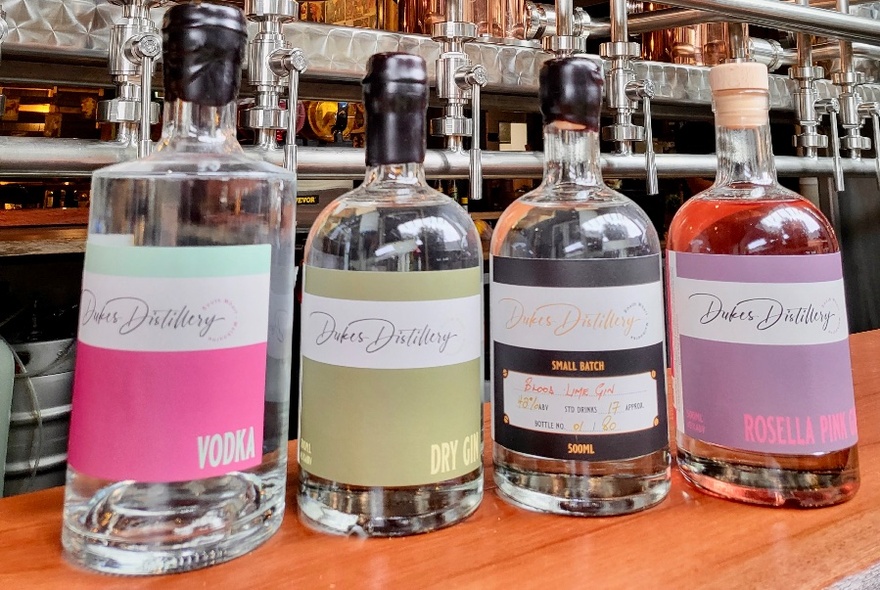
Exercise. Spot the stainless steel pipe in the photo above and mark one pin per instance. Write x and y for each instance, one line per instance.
(38, 157)
(829, 51)
(670, 18)
(791, 17)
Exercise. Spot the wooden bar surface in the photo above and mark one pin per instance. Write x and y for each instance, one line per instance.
(690, 541)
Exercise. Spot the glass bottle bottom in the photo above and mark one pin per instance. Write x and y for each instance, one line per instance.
(769, 480)
(581, 488)
(339, 509)
(131, 528)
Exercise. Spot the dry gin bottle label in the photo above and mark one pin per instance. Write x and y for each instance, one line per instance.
(391, 413)
(578, 357)
(779, 324)
(415, 339)
(171, 360)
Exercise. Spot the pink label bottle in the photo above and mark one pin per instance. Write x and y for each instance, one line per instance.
(764, 402)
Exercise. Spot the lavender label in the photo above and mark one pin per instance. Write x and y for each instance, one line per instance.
(761, 352)
(578, 357)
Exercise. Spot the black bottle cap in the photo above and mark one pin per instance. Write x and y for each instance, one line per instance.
(571, 91)
(396, 102)
(203, 46)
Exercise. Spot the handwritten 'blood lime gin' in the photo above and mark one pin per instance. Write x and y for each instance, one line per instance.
(390, 416)
(178, 433)
(577, 326)
(763, 385)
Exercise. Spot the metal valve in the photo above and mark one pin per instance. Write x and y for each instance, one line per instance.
(872, 109)
(4, 32)
(4, 26)
(830, 107)
(135, 45)
(143, 49)
(475, 78)
(643, 90)
(290, 63)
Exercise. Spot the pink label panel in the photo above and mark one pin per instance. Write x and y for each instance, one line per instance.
(793, 400)
(763, 352)
(167, 416)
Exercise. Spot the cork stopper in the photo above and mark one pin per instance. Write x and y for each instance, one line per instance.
(740, 94)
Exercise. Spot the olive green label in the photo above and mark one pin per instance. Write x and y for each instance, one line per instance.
(391, 376)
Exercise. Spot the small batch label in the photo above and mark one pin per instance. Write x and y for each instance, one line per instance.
(761, 352)
(171, 362)
(391, 376)
(578, 357)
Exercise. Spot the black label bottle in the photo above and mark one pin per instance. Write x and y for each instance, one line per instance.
(764, 399)
(390, 416)
(577, 326)
(178, 436)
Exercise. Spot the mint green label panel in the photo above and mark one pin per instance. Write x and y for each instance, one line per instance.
(391, 376)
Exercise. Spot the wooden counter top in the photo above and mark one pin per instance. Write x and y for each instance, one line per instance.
(689, 541)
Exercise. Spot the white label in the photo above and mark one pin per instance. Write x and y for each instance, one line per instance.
(157, 314)
(760, 313)
(594, 318)
(608, 405)
(391, 334)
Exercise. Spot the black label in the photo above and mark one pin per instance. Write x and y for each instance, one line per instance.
(587, 404)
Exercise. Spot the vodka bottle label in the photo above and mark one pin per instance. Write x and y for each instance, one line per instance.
(171, 365)
(391, 387)
(764, 360)
(578, 357)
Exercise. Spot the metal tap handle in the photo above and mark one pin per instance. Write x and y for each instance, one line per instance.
(650, 161)
(643, 90)
(292, 62)
(144, 49)
(477, 78)
(830, 107)
(872, 109)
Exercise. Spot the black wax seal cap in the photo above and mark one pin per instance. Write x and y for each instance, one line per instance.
(571, 91)
(203, 45)
(396, 102)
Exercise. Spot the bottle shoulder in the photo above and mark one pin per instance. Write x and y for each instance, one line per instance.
(574, 222)
(175, 164)
(760, 221)
(414, 228)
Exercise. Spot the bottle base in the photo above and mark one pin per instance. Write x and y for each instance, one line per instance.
(581, 495)
(338, 509)
(768, 486)
(122, 532)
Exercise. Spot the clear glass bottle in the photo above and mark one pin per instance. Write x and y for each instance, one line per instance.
(577, 326)
(178, 438)
(763, 385)
(391, 414)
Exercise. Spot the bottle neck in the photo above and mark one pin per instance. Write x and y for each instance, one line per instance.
(745, 155)
(193, 127)
(571, 156)
(390, 176)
